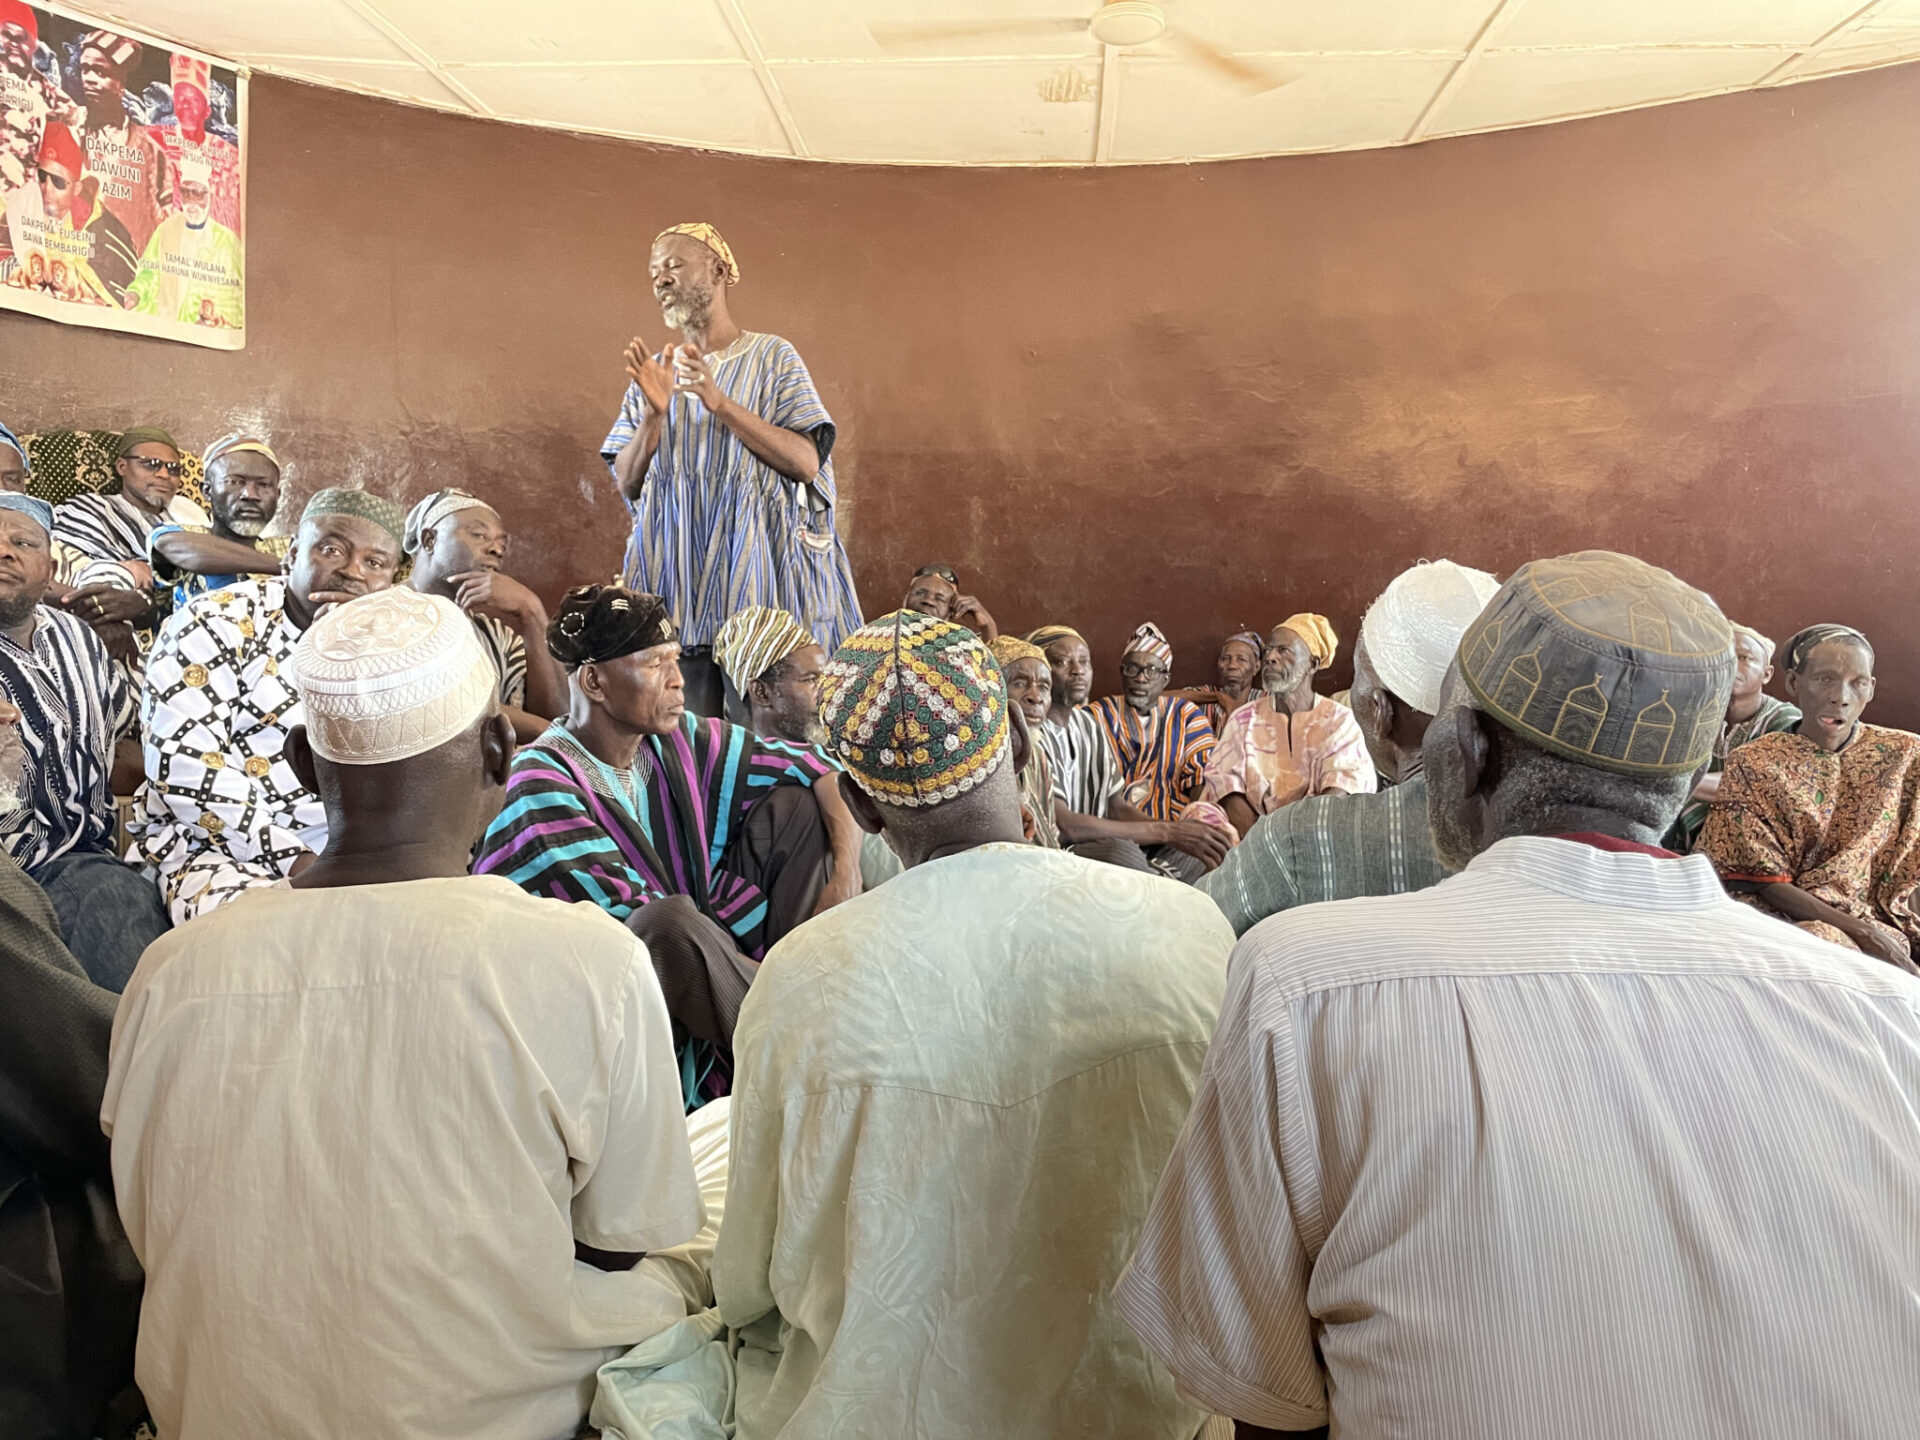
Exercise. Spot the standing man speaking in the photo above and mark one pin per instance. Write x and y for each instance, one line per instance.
(721, 454)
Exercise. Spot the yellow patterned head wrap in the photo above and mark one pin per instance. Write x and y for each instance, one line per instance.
(1317, 631)
(1009, 648)
(709, 237)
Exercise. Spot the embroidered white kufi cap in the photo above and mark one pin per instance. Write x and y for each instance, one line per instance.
(391, 675)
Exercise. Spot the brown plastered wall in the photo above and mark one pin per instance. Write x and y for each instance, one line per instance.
(1208, 395)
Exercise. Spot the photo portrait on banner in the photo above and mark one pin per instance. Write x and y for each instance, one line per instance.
(122, 180)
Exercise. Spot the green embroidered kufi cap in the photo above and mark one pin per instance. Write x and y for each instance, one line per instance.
(915, 709)
(1604, 659)
(342, 500)
(144, 435)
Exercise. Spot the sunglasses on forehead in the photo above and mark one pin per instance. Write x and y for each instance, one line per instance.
(943, 571)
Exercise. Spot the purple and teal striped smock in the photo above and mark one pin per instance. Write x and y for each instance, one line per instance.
(576, 829)
(715, 530)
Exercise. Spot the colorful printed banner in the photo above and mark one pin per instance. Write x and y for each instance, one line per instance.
(123, 180)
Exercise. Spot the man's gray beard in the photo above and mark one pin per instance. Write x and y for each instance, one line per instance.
(817, 733)
(248, 529)
(690, 312)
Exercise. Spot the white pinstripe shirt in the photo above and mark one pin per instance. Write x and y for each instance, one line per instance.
(1570, 1145)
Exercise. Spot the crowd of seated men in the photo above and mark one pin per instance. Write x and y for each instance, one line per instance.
(936, 1047)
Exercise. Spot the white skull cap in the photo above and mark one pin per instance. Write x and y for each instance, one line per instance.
(1413, 630)
(391, 675)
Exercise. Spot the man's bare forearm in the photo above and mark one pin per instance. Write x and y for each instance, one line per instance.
(546, 682)
(1240, 812)
(843, 831)
(630, 465)
(213, 555)
(1077, 829)
(793, 454)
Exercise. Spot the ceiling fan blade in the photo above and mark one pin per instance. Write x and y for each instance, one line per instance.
(925, 34)
(1245, 75)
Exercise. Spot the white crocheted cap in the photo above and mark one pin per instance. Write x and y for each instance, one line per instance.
(391, 675)
(1414, 628)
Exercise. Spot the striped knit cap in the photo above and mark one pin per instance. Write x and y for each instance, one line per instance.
(755, 640)
(915, 709)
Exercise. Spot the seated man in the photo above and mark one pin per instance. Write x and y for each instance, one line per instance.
(1337, 846)
(1029, 685)
(1819, 825)
(1236, 678)
(367, 1124)
(16, 470)
(69, 1285)
(935, 590)
(242, 487)
(1095, 819)
(1569, 1145)
(64, 708)
(105, 536)
(1751, 713)
(708, 842)
(1163, 745)
(955, 1095)
(100, 542)
(1289, 743)
(774, 664)
(458, 545)
(222, 811)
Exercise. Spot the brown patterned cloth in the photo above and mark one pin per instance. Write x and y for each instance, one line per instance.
(1841, 825)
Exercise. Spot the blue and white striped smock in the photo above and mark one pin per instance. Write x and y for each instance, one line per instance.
(714, 529)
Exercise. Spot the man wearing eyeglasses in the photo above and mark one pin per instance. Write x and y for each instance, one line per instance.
(1162, 742)
(935, 590)
(101, 540)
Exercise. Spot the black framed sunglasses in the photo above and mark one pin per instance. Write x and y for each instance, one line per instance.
(59, 182)
(1132, 671)
(153, 465)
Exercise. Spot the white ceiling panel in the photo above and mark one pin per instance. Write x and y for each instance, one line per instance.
(647, 101)
(241, 29)
(1021, 82)
(563, 32)
(837, 30)
(1329, 104)
(1585, 23)
(1863, 53)
(1526, 86)
(995, 110)
(397, 80)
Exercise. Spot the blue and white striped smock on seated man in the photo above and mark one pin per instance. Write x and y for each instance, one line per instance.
(1570, 1144)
